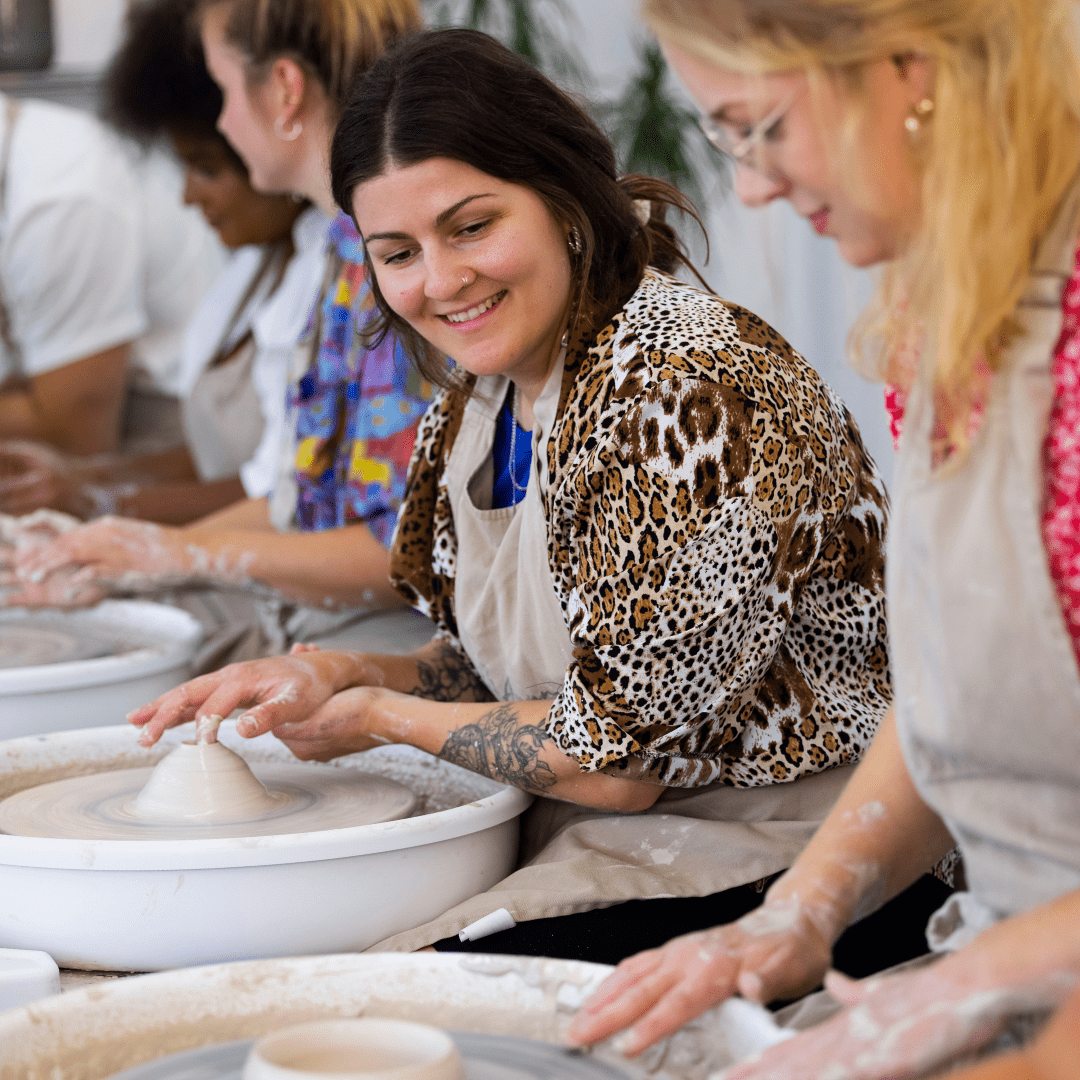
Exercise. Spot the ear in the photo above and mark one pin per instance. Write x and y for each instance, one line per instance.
(288, 85)
(916, 70)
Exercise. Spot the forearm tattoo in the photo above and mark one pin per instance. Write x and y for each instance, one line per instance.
(448, 677)
(500, 747)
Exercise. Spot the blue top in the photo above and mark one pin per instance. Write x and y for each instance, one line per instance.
(503, 492)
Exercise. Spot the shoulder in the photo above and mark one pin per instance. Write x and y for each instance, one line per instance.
(669, 330)
(706, 394)
(60, 153)
(693, 355)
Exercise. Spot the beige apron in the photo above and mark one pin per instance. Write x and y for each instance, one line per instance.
(691, 842)
(222, 415)
(987, 687)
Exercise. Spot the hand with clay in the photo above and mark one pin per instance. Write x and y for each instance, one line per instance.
(878, 838)
(781, 950)
(108, 553)
(289, 695)
(1054, 1055)
(20, 539)
(906, 1025)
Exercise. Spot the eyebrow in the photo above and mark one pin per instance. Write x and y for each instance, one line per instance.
(722, 116)
(442, 219)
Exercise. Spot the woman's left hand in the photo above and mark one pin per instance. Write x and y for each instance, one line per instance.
(903, 1025)
(343, 725)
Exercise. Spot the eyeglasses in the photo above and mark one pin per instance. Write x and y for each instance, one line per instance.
(748, 150)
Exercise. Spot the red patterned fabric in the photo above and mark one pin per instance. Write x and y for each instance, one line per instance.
(1061, 463)
(1061, 460)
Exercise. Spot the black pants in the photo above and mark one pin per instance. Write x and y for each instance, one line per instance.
(894, 933)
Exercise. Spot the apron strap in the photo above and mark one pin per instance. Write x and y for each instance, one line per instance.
(11, 113)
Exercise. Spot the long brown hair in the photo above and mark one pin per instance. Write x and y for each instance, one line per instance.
(460, 94)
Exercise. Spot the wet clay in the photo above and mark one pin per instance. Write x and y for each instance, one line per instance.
(203, 782)
(49, 638)
(203, 791)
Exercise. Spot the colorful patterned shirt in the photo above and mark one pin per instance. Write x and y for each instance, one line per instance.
(356, 408)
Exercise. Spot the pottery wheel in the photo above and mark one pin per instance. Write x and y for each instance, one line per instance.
(32, 640)
(486, 1057)
(308, 798)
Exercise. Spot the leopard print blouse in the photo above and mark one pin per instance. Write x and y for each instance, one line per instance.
(716, 532)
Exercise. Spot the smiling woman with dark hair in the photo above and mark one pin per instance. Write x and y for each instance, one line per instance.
(647, 532)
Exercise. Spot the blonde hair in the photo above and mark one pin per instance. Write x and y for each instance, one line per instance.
(997, 159)
(334, 40)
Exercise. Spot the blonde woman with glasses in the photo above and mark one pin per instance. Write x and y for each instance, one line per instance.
(942, 139)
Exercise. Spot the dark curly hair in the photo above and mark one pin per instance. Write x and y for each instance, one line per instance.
(157, 82)
(460, 94)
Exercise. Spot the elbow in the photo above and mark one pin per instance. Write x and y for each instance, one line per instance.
(600, 792)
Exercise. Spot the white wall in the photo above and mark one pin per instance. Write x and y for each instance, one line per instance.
(770, 261)
(85, 32)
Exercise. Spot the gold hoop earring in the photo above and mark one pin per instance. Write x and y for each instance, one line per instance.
(923, 110)
(291, 134)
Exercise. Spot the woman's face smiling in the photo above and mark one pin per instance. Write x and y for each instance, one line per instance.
(476, 265)
(867, 200)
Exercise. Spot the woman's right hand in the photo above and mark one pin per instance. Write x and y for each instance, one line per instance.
(778, 951)
(274, 691)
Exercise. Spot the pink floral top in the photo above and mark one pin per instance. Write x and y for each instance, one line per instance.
(1061, 460)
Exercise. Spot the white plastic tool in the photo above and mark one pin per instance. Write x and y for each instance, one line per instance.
(26, 976)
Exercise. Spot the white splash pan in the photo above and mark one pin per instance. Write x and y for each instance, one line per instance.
(125, 905)
(93, 1033)
(94, 693)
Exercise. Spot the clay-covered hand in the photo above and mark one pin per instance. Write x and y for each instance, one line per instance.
(275, 691)
(32, 476)
(20, 539)
(344, 725)
(781, 950)
(1054, 1055)
(111, 550)
(905, 1025)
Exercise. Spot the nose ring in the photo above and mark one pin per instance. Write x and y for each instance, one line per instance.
(464, 279)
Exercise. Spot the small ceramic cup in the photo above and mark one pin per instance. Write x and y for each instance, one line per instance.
(355, 1050)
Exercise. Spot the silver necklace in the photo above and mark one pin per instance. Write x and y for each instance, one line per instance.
(513, 445)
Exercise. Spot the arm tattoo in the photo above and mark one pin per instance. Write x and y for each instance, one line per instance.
(499, 746)
(448, 677)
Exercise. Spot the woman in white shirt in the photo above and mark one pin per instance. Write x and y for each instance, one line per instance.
(229, 383)
(95, 289)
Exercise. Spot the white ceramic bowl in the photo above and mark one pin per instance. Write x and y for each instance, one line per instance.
(123, 905)
(355, 1050)
(102, 691)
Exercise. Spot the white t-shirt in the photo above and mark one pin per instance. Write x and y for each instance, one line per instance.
(96, 248)
(277, 328)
